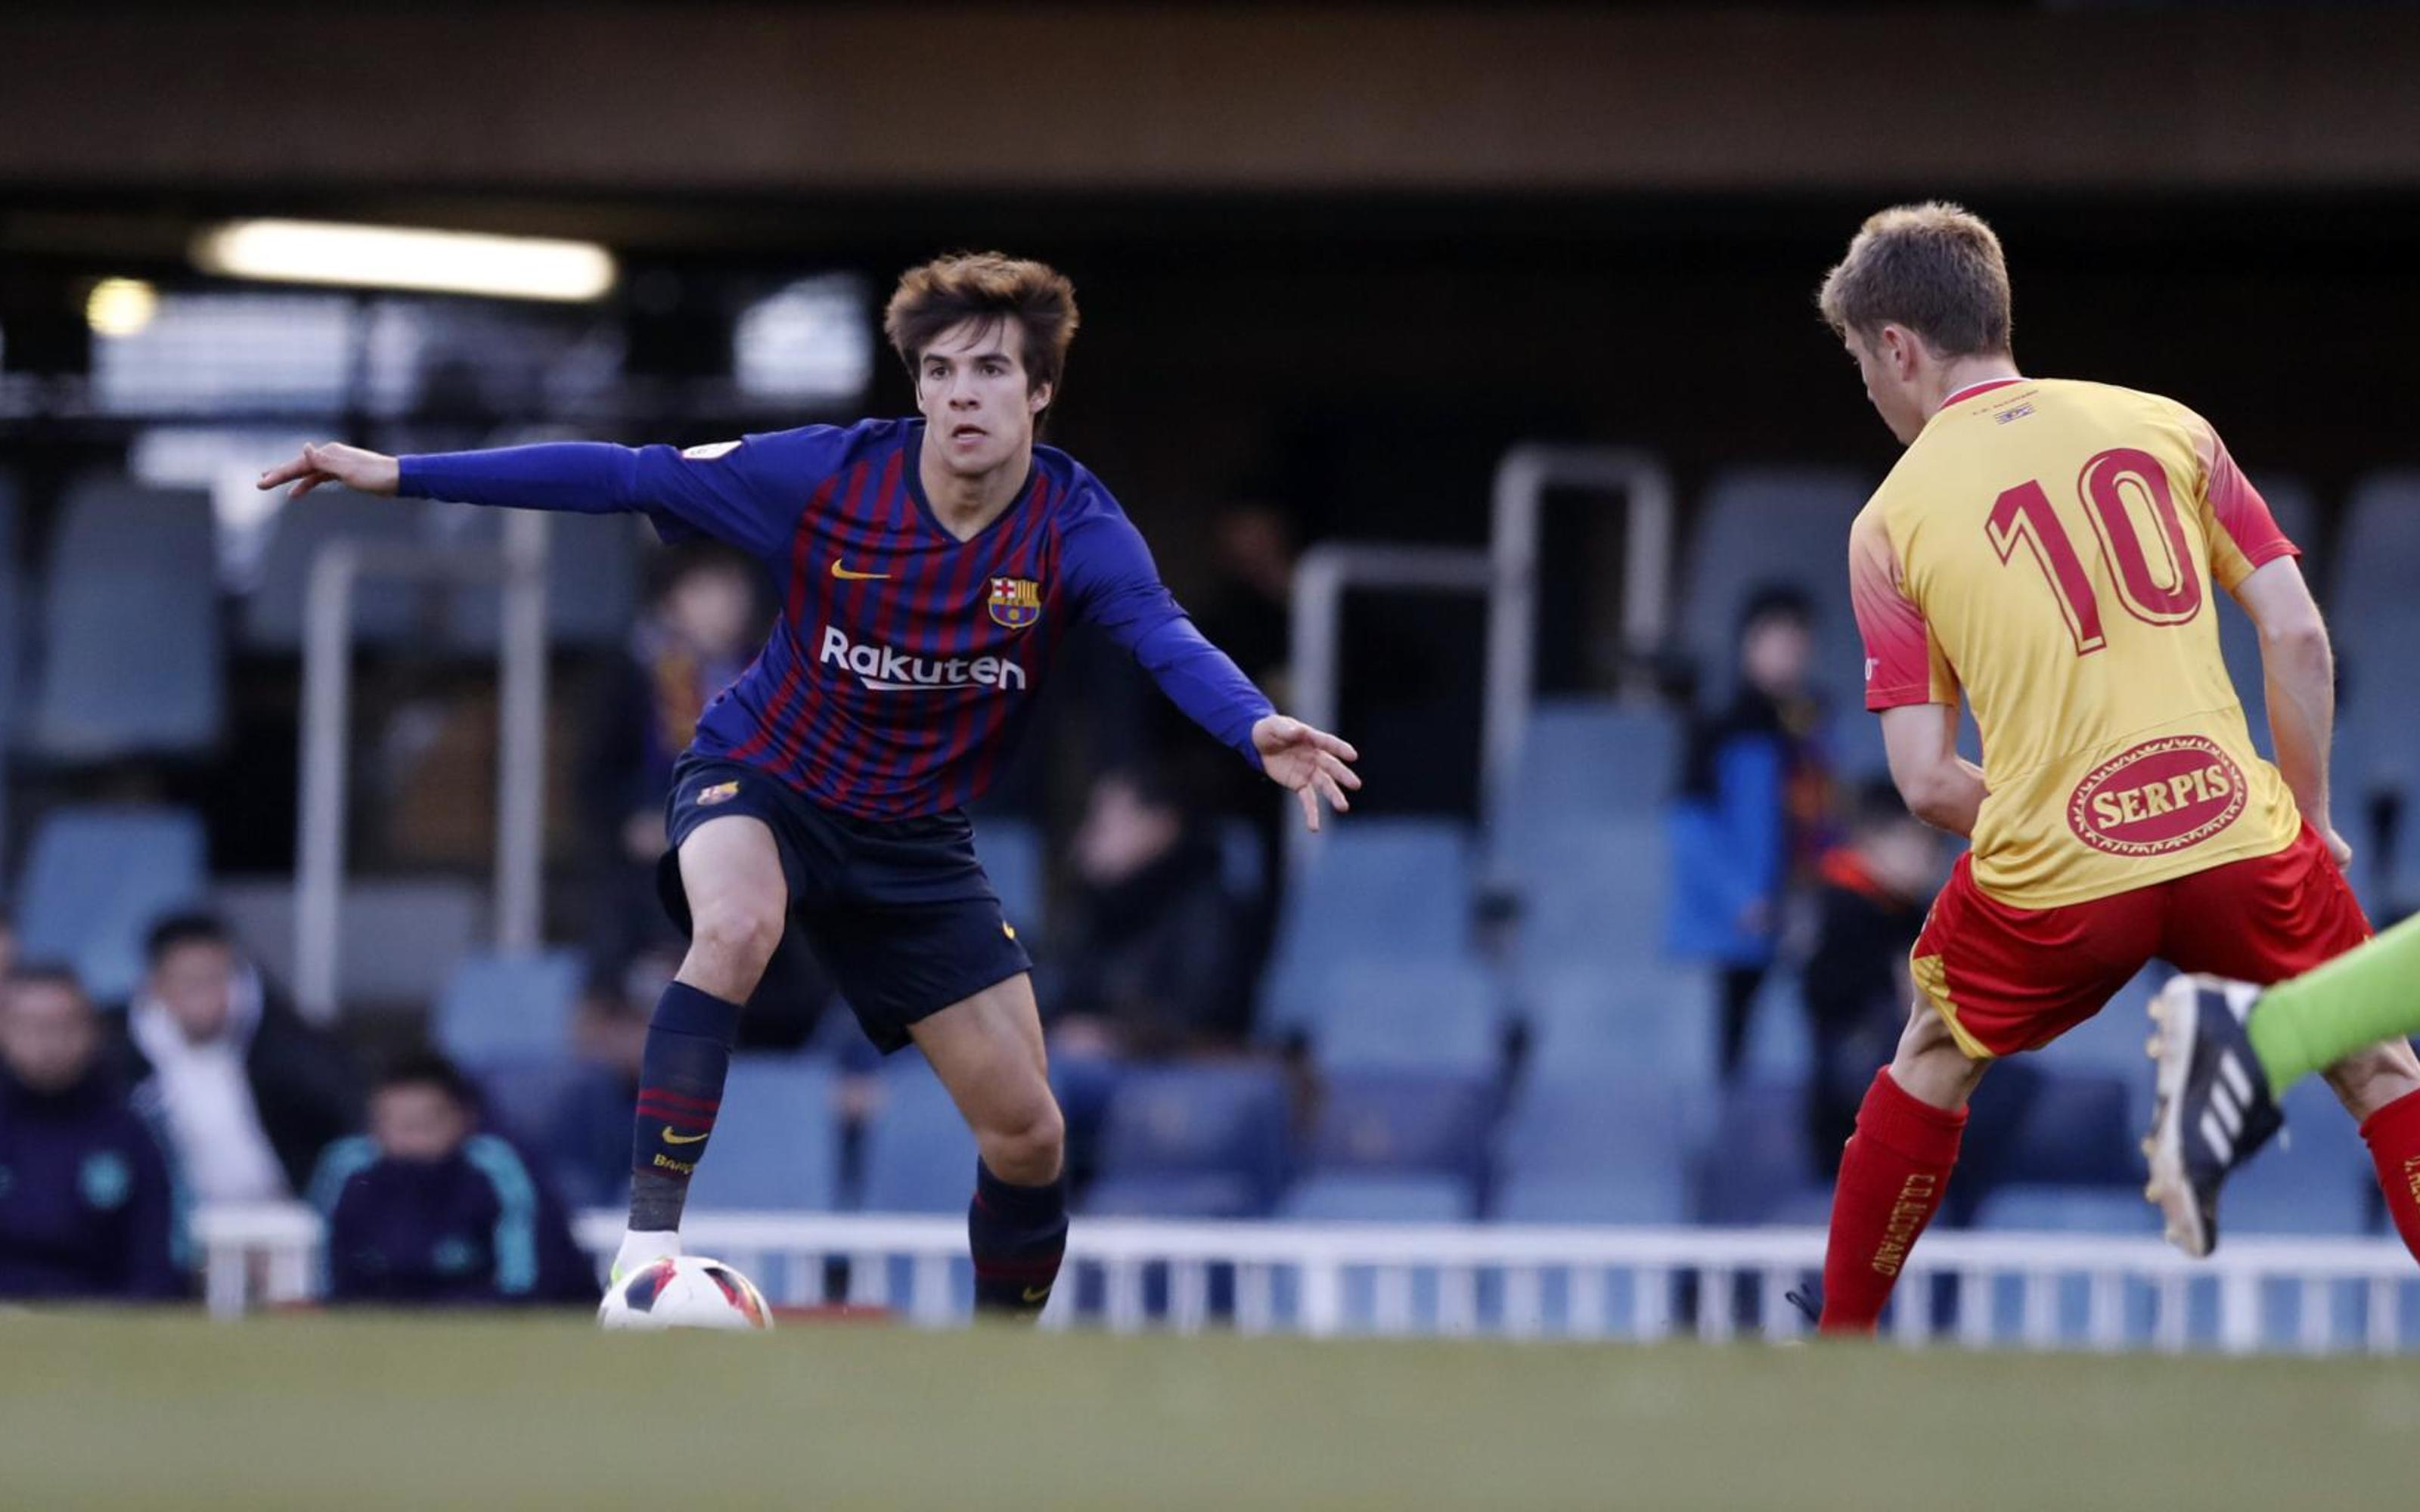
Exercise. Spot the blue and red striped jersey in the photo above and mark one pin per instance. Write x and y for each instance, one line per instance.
(904, 661)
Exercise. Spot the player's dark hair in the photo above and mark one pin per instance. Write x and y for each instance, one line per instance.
(193, 928)
(1935, 269)
(426, 1068)
(987, 286)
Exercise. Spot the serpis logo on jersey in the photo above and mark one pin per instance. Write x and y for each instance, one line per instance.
(887, 669)
(1016, 602)
(2158, 797)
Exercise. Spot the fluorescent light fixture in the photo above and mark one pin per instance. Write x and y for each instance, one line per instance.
(120, 306)
(380, 256)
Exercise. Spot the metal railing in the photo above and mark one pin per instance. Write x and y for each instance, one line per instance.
(2021, 1291)
(1506, 573)
(1644, 488)
(520, 569)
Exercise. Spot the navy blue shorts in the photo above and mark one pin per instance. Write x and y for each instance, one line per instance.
(899, 912)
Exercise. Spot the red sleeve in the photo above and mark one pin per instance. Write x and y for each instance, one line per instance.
(2247, 537)
(1899, 647)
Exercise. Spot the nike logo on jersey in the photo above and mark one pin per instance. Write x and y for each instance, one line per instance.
(847, 577)
(671, 1138)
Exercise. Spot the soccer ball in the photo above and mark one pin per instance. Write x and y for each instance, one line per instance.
(685, 1291)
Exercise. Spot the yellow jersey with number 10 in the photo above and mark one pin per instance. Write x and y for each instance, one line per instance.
(2056, 550)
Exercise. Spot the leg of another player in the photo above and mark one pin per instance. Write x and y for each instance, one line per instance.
(1895, 1169)
(988, 1052)
(738, 902)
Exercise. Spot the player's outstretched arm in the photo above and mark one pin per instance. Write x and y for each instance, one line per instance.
(1313, 763)
(356, 468)
(745, 493)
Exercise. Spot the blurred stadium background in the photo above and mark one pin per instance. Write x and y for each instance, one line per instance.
(1459, 362)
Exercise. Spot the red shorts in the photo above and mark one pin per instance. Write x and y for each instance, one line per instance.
(2016, 979)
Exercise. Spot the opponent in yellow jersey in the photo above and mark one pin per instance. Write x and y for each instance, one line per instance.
(2056, 550)
(2053, 552)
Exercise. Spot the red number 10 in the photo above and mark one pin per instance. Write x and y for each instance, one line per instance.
(2024, 513)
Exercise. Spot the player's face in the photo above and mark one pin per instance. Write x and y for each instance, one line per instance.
(977, 402)
(1883, 364)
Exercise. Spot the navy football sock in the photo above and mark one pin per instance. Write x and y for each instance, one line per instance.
(1017, 1234)
(680, 1087)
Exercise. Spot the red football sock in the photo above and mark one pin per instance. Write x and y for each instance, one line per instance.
(2393, 1135)
(1892, 1176)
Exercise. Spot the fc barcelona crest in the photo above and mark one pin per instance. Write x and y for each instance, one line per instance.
(1016, 602)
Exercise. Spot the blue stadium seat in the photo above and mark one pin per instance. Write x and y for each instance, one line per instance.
(1196, 1195)
(1789, 525)
(1375, 889)
(2375, 617)
(776, 1140)
(1593, 892)
(1334, 1197)
(2078, 1129)
(95, 881)
(2027, 1207)
(919, 1154)
(1597, 758)
(571, 1118)
(2291, 502)
(1012, 853)
(1582, 1148)
(1649, 1021)
(1444, 1015)
(2314, 1178)
(113, 684)
(1214, 1134)
(504, 1008)
(1756, 1165)
(1401, 1122)
(385, 611)
(592, 579)
(2111, 1042)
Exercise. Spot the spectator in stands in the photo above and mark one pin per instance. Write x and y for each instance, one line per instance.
(87, 1206)
(1149, 936)
(1750, 810)
(427, 1209)
(704, 618)
(1250, 611)
(1870, 898)
(250, 1093)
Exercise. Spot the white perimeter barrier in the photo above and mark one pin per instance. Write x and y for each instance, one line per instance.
(2031, 1290)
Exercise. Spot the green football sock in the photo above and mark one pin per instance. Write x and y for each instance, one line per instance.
(2357, 1000)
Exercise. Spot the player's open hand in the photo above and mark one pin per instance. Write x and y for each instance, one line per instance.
(359, 470)
(1311, 762)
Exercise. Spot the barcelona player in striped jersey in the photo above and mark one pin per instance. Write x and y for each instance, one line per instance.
(926, 569)
(2051, 552)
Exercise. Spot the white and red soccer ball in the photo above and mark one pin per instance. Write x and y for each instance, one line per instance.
(685, 1291)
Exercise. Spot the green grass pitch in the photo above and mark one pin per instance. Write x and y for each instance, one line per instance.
(335, 1413)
